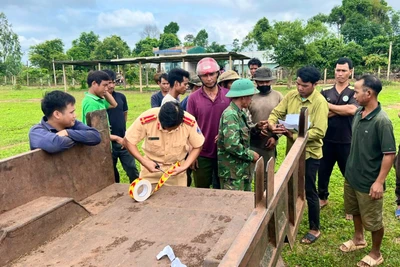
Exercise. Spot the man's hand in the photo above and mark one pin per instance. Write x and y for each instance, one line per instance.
(178, 170)
(256, 156)
(194, 165)
(120, 141)
(62, 133)
(271, 143)
(150, 165)
(331, 114)
(262, 125)
(376, 190)
(216, 139)
(277, 128)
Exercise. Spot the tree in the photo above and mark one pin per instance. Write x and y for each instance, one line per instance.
(10, 48)
(144, 48)
(42, 55)
(189, 40)
(258, 34)
(373, 61)
(214, 47)
(236, 46)
(201, 38)
(83, 47)
(292, 43)
(168, 40)
(150, 31)
(172, 27)
(112, 47)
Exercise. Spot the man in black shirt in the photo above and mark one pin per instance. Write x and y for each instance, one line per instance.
(162, 81)
(342, 107)
(118, 117)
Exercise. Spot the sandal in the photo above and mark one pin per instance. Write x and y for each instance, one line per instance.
(350, 246)
(309, 237)
(369, 261)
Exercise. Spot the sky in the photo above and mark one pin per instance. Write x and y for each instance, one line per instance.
(36, 21)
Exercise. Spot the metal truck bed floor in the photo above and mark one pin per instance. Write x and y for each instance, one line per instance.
(199, 224)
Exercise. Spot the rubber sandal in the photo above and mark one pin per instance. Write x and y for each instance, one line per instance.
(310, 237)
(350, 246)
(370, 261)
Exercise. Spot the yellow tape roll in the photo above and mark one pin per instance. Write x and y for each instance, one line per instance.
(140, 189)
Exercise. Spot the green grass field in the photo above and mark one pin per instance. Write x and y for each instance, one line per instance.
(21, 109)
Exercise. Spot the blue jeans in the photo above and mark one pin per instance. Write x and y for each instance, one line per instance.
(127, 161)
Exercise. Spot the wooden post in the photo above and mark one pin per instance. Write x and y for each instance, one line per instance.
(140, 77)
(147, 75)
(325, 76)
(379, 72)
(48, 79)
(41, 82)
(72, 67)
(183, 64)
(64, 78)
(123, 75)
(352, 74)
(27, 73)
(243, 68)
(230, 62)
(99, 66)
(389, 60)
(118, 65)
(159, 67)
(54, 73)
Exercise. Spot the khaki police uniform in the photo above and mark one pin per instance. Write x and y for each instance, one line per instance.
(163, 147)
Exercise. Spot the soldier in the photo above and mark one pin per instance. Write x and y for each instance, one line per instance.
(234, 153)
(306, 96)
(166, 132)
(260, 108)
(342, 106)
(227, 78)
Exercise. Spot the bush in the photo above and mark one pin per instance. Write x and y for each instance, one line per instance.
(17, 87)
(84, 85)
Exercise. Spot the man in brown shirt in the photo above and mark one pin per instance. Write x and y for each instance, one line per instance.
(166, 132)
(261, 106)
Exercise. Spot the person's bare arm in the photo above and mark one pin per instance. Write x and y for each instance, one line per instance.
(342, 110)
(147, 163)
(376, 190)
(110, 99)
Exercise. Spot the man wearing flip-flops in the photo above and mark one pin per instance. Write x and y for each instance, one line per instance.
(371, 156)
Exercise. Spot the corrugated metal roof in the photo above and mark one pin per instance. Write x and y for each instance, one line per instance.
(163, 59)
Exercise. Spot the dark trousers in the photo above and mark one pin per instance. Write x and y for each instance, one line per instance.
(397, 168)
(332, 153)
(207, 173)
(127, 161)
(311, 193)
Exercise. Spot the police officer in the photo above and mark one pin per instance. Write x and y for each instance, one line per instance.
(234, 153)
(166, 131)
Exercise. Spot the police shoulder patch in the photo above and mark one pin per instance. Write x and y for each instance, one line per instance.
(189, 121)
(147, 119)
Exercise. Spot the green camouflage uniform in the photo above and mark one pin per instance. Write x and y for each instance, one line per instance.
(234, 154)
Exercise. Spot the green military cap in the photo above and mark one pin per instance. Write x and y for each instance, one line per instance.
(242, 87)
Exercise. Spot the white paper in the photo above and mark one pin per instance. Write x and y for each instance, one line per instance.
(292, 122)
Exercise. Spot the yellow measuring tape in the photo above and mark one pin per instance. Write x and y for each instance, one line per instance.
(140, 189)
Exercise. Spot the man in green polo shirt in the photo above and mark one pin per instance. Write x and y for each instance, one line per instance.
(97, 96)
(371, 156)
(306, 96)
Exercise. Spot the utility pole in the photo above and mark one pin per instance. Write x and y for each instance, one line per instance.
(389, 59)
